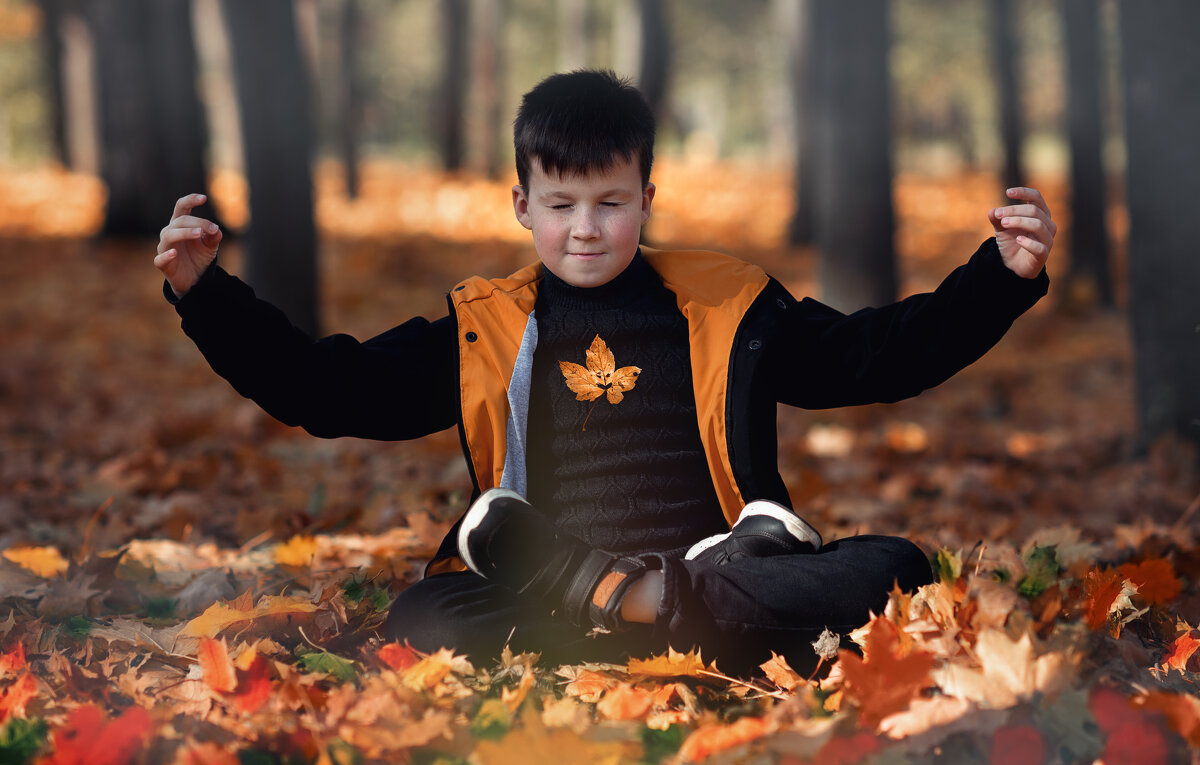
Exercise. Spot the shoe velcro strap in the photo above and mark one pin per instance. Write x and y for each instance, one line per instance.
(604, 609)
(578, 593)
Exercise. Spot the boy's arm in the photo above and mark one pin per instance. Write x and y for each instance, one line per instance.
(398, 385)
(824, 358)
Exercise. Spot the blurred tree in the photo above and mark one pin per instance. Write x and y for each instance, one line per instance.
(574, 34)
(349, 95)
(1089, 239)
(796, 16)
(1162, 119)
(273, 100)
(854, 216)
(487, 75)
(52, 53)
(1004, 60)
(452, 95)
(654, 56)
(153, 135)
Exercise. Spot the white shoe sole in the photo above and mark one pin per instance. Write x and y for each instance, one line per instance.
(474, 517)
(796, 526)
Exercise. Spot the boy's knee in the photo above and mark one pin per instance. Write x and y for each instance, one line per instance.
(911, 564)
(460, 611)
(416, 618)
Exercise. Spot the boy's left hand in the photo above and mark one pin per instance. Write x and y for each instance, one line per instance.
(1024, 232)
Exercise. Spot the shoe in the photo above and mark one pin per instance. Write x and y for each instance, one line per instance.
(763, 529)
(504, 539)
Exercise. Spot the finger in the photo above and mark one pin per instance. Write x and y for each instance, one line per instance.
(1021, 223)
(172, 236)
(192, 221)
(184, 205)
(1033, 196)
(1037, 248)
(212, 237)
(166, 261)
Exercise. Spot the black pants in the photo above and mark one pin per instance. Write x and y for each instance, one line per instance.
(736, 614)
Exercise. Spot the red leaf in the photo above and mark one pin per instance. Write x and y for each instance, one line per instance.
(253, 686)
(1017, 745)
(1155, 579)
(1103, 588)
(1182, 713)
(216, 666)
(13, 660)
(14, 699)
(397, 656)
(1136, 742)
(847, 750)
(88, 740)
(1110, 708)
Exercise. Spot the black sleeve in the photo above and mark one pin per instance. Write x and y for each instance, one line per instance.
(401, 384)
(823, 358)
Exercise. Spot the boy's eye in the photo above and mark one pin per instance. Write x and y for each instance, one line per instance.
(611, 204)
(560, 207)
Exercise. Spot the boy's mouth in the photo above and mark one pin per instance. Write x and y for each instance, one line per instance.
(586, 255)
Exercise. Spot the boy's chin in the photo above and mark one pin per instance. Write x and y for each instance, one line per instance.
(588, 274)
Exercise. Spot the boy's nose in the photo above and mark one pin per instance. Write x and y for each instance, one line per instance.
(585, 225)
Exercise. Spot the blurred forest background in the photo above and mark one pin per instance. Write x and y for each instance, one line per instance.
(359, 152)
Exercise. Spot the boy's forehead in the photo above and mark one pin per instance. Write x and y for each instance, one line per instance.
(618, 171)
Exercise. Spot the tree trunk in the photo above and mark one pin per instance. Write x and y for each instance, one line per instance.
(273, 100)
(487, 76)
(1162, 119)
(801, 68)
(349, 93)
(1089, 240)
(654, 57)
(52, 55)
(854, 217)
(1003, 15)
(451, 107)
(153, 135)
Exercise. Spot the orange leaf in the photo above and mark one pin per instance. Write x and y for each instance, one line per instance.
(1155, 579)
(42, 561)
(397, 656)
(1182, 712)
(625, 702)
(87, 740)
(16, 696)
(1102, 588)
(1181, 650)
(429, 671)
(600, 375)
(888, 679)
(12, 660)
(778, 671)
(220, 616)
(215, 666)
(1135, 742)
(208, 753)
(589, 686)
(709, 739)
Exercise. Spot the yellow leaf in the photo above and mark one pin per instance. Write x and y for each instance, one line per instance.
(778, 671)
(429, 671)
(625, 702)
(297, 551)
(533, 743)
(674, 664)
(600, 376)
(43, 561)
(219, 616)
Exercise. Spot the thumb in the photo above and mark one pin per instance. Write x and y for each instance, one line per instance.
(167, 262)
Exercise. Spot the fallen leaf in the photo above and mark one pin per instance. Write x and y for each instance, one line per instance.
(398, 657)
(1017, 745)
(429, 671)
(1181, 650)
(1104, 590)
(16, 696)
(1155, 580)
(887, 679)
(778, 671)
(625, 702)
(87, 739)
(847, 750)
(254, 685)
(589, 686)
(297, 551)
(218, 671)
(1181, 710)
(710, 739)
(532, 742)
(672, 664)
(12, 660)
(220, 616)
(42, 561)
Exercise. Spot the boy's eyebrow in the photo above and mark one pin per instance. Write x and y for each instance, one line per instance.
(567, 195)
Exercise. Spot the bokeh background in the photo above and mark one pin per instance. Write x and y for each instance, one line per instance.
(358, 154)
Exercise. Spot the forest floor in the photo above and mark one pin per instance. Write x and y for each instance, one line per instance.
(147, 510)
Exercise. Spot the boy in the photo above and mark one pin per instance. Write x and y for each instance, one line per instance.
(617, 407)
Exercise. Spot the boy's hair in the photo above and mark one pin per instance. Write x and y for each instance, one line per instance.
(581, 121)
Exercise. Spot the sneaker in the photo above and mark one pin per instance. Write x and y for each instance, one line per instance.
(504, 539)
(764, 528)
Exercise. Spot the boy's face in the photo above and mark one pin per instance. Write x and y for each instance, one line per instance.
(585, 227)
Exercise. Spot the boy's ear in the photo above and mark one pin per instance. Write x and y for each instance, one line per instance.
(647, 199)
(521, 206)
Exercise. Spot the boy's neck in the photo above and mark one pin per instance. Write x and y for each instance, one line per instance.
(620, 291)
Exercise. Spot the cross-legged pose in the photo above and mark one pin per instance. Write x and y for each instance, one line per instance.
(617, 407)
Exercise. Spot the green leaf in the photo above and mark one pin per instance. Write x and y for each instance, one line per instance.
(1041, 571)
(78, 626)
(20, 740)
(947, 566)
(342, 752)
(329, 664)
(491, 721)
(658, 745)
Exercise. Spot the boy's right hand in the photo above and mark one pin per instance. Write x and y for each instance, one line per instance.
(187, 246)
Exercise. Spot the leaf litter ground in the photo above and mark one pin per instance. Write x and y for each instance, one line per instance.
(184, 580)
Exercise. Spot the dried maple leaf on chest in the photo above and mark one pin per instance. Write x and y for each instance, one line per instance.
(599, 376)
